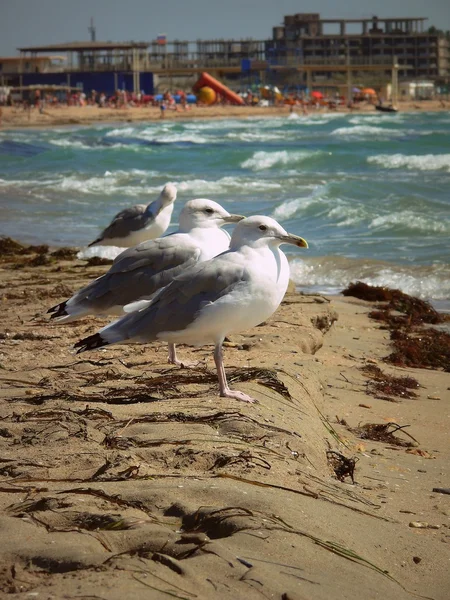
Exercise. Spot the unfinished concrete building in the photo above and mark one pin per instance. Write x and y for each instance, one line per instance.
(306, 39)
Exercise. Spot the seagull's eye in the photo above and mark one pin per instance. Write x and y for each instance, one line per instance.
(263, 227)
(209, 211)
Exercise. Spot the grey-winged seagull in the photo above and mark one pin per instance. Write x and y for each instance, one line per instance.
(232, 292)
(140, 222)
(140, 272)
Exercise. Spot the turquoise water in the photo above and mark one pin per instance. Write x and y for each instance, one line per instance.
(370, 193)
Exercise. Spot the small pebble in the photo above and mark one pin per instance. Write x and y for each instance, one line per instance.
(365, 405)
(417, 559)
(423, 525)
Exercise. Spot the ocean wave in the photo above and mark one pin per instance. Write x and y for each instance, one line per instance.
(266, 160)
(334, 273)
(297, 206)
(201, 187)
(374, 119)
(410, 221)
(121, 132)
(367, 131)
(63, 143)
(134, 182)
(251, 136)
(99, 251)
(343, 214)
(424, 162)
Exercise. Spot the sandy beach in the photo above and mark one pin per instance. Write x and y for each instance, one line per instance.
(88, 115)
(122, 476)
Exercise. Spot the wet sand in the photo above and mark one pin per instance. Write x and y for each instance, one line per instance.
(88, 115)
(124, 477)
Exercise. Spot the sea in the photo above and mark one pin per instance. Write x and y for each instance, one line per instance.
(369, 192)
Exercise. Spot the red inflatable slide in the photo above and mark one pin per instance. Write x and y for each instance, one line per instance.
(208, 81)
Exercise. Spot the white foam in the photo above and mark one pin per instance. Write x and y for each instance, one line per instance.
(409, 220)
(252, 136)
(99, 251)
(121, 132)
(63, 143)
(343, 214)
(367, 131)
(265, 160)
(335, 273)
(202, 187)
(287, 209)
(424, 162)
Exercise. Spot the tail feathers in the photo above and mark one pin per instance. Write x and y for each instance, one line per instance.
(58, 311)
(91, 343)
(66, 313)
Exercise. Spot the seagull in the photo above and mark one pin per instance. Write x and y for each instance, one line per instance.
(138, 273)
(140, 223)
(231, 292)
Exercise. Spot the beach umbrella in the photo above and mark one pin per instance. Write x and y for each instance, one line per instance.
(316, 94)
(369, 91)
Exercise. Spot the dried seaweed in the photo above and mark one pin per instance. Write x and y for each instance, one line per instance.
(342, 466)
(417, 310)
(424, 349)
(65, 253)
(265, 377)
(96, 261)
(9, 247)
(383, 432)
(414, 345)
(385, 386)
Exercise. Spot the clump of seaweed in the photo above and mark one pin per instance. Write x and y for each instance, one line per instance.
(342, 466)
(385, 386)
(64, 253)
(424, 349)
(9, 248)
(414, 346)
(383, 432)
(96, 261)
(418, 311)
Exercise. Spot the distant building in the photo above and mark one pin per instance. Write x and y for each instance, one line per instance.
(11, 65)
(308, 39)
(304, 50)
(101, 66)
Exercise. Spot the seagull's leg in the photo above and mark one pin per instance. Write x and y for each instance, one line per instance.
(223, 385)
(173, 360)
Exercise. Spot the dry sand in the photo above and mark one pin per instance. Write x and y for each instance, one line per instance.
(87, 115)
(123, 477)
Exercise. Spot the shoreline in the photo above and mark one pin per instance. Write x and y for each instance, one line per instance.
(13, 118)
(114, 463)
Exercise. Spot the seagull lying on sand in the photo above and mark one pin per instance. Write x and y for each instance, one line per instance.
(139, 272)
(140, 223)
(232, 292)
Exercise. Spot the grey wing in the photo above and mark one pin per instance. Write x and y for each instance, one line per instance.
(156, 254)
(178, 305)
(128, 220)
(140, 272)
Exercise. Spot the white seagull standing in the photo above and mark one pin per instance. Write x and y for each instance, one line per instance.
(138, 273)
(232, 292)
(140, 222)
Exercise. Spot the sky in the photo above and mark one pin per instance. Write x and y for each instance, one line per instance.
(37, 22)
